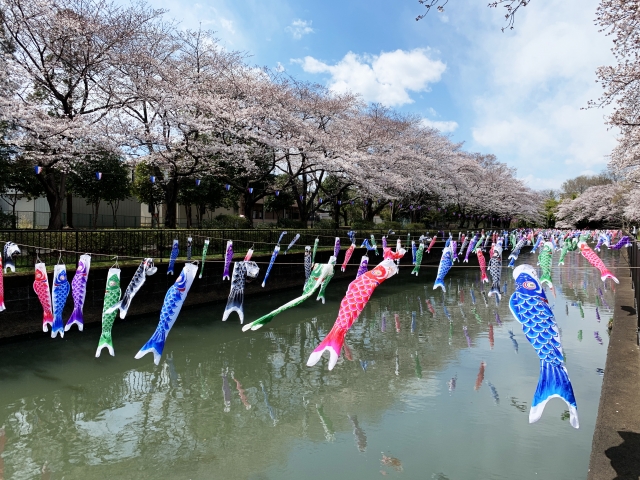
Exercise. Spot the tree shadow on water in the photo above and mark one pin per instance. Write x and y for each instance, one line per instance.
(625, 458)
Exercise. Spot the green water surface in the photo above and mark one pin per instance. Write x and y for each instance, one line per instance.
(389, 409)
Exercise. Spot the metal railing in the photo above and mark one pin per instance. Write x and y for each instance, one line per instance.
(50, 245)
(634, 270)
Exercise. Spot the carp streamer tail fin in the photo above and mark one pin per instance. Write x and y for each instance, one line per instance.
(440, 283)
(234, 304)
(495, 290)
(75, 319)
(155, 345)
(553, 382)
(57, 328)
(47, 320)
(333, 343)
(607, 274)
(105, 342)
(546, 278)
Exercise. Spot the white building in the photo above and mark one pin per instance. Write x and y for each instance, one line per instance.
(130, 214)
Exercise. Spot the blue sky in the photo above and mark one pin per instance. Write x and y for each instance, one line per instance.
(517, 94)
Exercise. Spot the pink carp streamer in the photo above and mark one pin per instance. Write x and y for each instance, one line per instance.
(483, 266)
(347, 256)
(357, 296)
(594, 260)
(41, 287)
(432, 243)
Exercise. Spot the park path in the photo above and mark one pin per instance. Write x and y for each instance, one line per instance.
(615, 452)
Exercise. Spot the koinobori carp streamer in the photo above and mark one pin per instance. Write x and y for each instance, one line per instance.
(356, 298)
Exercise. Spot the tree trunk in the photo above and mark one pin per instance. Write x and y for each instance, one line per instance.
(368, 211)
(96, 209)
(249, 202)
(69, 210)
(14, 220)
(55, 193)
(55, 207)
(171, 202)
(200, 211)
(187, 210)
(114, 212)
(336, 215)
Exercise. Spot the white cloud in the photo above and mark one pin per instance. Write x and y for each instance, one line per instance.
(538, 183)
(280, 67)
(386, 78)
(227, 25)
(443, 126)
(299, 28)
(537, 80)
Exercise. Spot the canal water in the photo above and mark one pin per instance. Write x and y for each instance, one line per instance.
(414, 396)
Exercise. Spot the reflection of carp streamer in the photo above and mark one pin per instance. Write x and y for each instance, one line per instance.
(357, 296)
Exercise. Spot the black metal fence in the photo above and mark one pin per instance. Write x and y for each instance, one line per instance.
(50, 246)
(634, 268)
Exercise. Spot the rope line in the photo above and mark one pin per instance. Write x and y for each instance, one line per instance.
(111, 256)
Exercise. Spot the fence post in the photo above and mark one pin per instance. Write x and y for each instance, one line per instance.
(77, 247)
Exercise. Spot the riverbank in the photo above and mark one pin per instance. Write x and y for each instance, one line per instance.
(615, 453)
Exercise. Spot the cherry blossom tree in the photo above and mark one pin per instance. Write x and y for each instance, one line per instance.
(511, 8)
(601, 205)
(62, 66)
(89, 77)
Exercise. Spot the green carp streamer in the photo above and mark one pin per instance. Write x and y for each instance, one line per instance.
(111, 297)
(545, 259)
(320, 276)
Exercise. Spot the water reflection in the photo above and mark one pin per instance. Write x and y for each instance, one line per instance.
(358, 433)
(66, 415)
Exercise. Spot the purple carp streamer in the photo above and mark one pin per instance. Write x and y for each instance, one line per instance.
(228, 257)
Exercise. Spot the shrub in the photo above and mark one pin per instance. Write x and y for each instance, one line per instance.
(324, 224)
(227, 221)
(363, 225)
(6, 220)
(389, 226)
(290, 223)
(415, 227)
